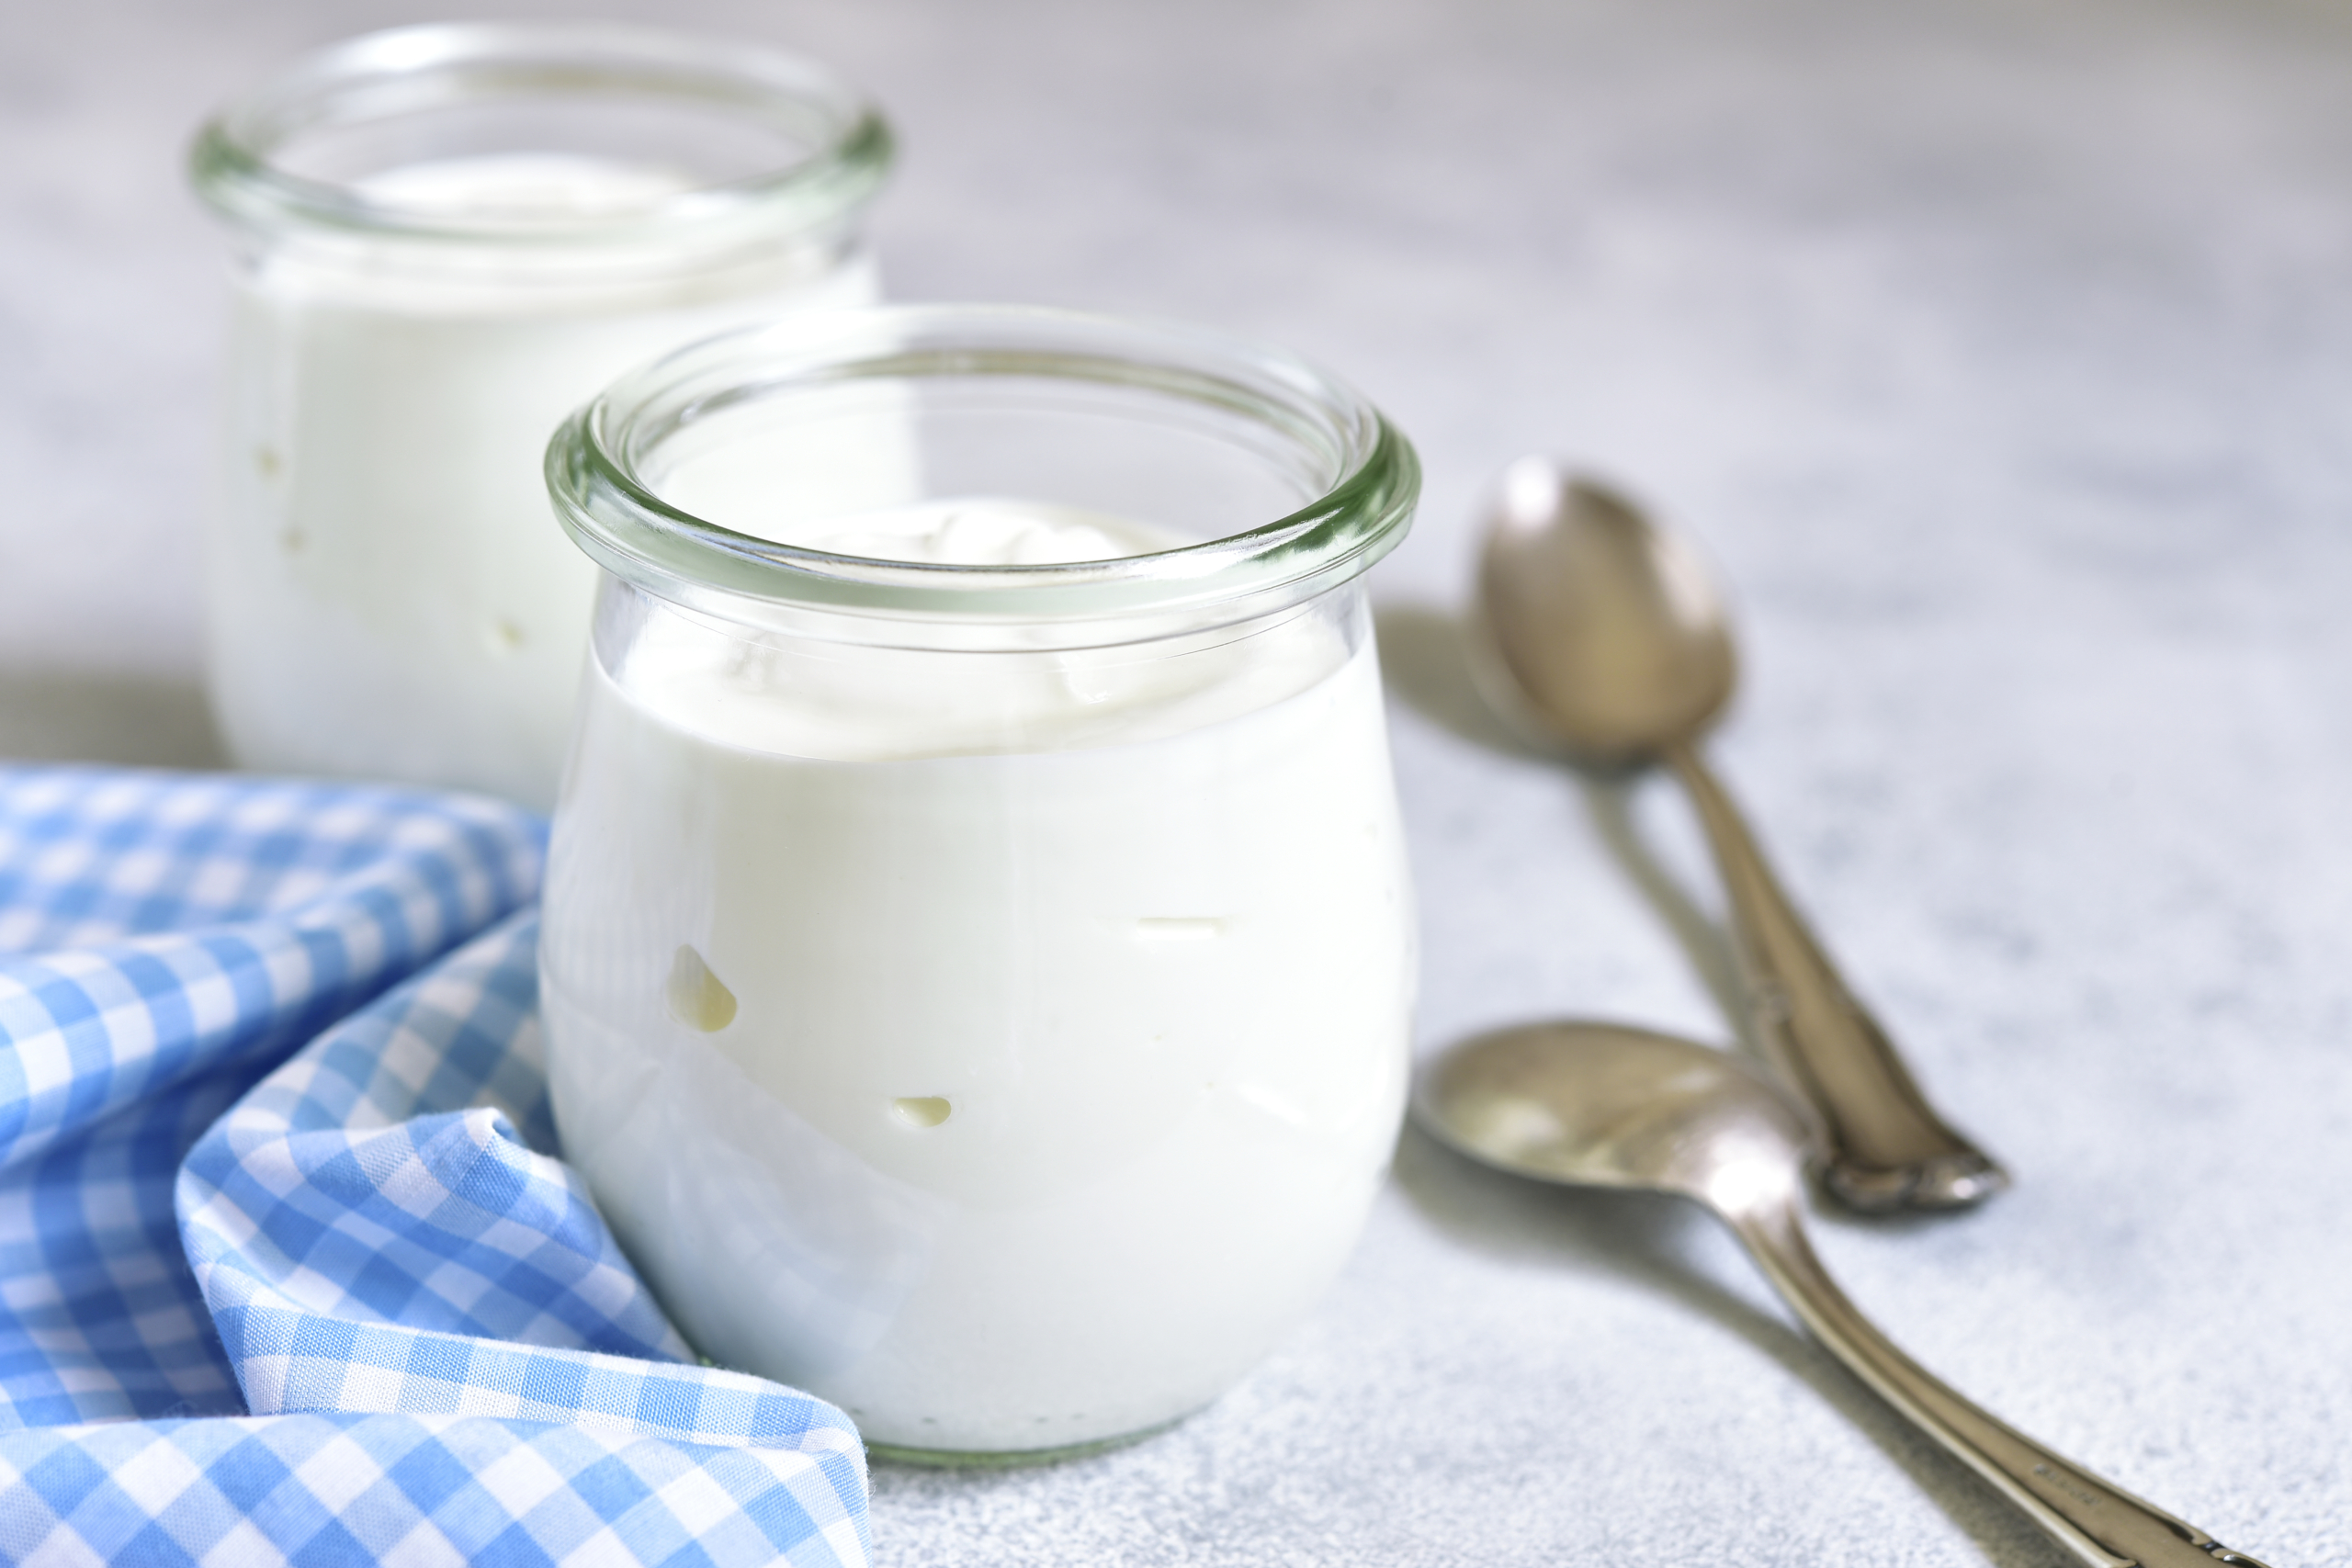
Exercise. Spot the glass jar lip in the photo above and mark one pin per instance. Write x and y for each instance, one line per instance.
(233, 160)
(1360, 512)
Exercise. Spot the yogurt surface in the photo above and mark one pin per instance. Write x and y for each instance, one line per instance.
(1008, 1055)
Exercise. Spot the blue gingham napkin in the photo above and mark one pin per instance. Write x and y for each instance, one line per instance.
(288, 1269)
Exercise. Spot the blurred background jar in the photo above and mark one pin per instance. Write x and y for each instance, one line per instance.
(978, 954)
(445, 238)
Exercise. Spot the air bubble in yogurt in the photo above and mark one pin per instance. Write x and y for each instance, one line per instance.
(696, 997)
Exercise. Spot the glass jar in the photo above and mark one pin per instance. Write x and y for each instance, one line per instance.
(445, 238)
(977, 972)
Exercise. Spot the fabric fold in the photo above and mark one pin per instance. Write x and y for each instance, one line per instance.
(306, 1013)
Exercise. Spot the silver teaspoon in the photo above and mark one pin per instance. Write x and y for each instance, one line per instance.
(1599, 1105)
(1610, 635)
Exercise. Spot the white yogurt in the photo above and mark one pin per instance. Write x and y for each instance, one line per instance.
(1004, 1046)
(389, 593)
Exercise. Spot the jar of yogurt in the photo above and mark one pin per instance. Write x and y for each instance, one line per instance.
(445, 238)
(978, 947)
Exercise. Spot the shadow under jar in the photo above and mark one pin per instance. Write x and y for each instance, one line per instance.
(445, 238)
(978, 949)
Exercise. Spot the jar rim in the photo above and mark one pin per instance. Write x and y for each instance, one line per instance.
(234, 164)
(1361, 512)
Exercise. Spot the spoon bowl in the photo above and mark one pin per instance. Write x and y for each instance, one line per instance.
(1598, 1104)
(1611, 635)
(1636, 1109)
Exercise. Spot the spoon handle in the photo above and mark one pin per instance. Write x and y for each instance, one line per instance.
(1887, 1149)
(2101, 1523)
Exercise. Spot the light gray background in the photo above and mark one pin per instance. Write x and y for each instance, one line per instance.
(2001, 353)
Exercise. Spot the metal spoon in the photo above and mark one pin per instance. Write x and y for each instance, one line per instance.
(1610, 635)
(1599, 1105)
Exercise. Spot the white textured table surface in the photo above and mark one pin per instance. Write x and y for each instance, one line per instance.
(2001, 353)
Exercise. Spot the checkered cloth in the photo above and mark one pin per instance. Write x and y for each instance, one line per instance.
(288, 1269)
